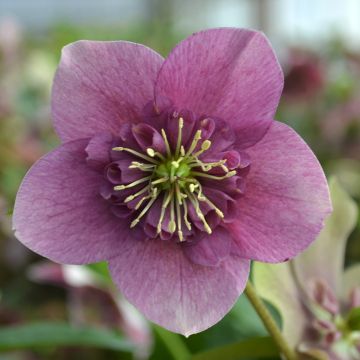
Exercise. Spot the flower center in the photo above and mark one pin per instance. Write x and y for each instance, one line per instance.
(177, 174)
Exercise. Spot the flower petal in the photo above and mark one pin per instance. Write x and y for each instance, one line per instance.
(98, 150)
(228, 73)
(350, 281)
(59, 212)
(331, 241)
(173, 292)
(275, 284)
(99, 85)
(211, 249)
(286, 198)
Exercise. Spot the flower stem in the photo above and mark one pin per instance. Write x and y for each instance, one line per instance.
(269, 322)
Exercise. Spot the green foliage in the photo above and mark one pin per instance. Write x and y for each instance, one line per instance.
(353, 320)
(55, 334)
(262, 347)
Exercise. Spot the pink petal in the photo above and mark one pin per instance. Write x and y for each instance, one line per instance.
(211, 249)
(228, 73)
(98, 150)
(99, 85)
(331, 241)
(59, 212)
(173, 292)
(286, 198)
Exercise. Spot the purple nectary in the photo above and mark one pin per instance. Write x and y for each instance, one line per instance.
(174, 171)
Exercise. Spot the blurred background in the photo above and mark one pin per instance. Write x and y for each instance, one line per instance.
(318, 43)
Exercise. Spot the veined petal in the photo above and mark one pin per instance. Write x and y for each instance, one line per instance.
(275, 284)
(100, 85)
(350, 281)
(331, 241)
(228, 73)
(59, 212)
(173, 292)
(211, 249)
(286, 199)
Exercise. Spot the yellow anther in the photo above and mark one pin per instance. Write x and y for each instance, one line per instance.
(182, 150)
(175, 164)
(133, 196)
(192, 147)
(192, 187)
(206, 145)
(214, 177)
(167, 145)
(136, 153)
(178, 144)
(137, 182)
(153, 197)
(172, 226)
(150, 152)
(166, 201)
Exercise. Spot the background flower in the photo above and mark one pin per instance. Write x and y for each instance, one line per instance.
(313, 294)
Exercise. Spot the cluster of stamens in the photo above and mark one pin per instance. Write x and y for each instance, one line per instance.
(178, 175)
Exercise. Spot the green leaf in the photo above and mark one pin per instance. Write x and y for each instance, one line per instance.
(262, 347)
(100, 269)
(173, 343)
(51, 334)
(353, 320)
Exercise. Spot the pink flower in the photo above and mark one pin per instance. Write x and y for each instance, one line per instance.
(304, 78)
(173, 171)
(318, 301)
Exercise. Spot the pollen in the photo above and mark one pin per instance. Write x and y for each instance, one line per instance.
(177, 176)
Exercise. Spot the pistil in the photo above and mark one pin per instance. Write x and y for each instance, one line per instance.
(176, 174)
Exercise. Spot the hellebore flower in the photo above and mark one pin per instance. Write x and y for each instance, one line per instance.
(318, 302)
(152, 171)
(304, 77)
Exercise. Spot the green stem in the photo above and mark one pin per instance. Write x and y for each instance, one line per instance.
(269, 322)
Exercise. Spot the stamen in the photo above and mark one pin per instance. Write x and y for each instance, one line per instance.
(214, 177)
(146, 208)
(203, 198)
(136, 153)
(199, 213)
(186, 221)
(172, 223)
(178, 145)
(151, 152)
(168, 150)
(176, 163)
(204, 146)
(141, 166)
(132, 197)
(137, 182)
(182, 150)
(149, 196)
(178, 213)
(208, 166)
(159, 181)
(192, 147)
(166, 200)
